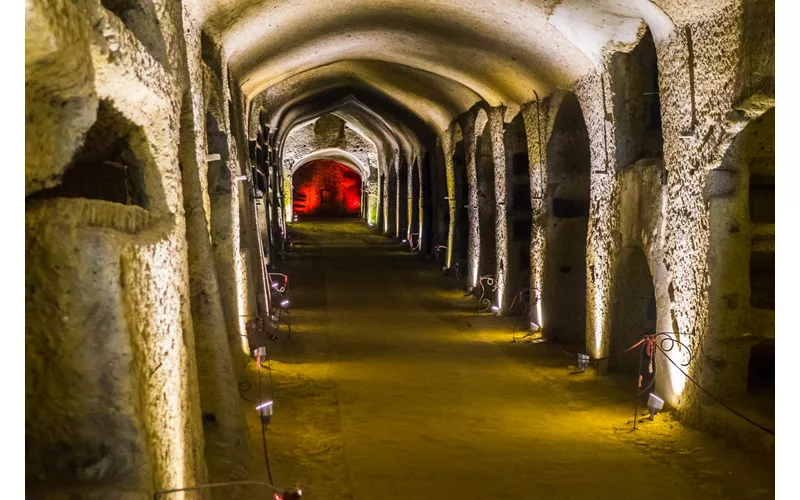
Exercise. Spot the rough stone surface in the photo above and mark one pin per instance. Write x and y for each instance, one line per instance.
(160, 142)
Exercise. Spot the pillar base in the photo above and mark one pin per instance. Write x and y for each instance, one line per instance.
(601, 366)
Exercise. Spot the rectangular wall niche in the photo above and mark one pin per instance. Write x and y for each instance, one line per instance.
(762, 199)
(521, 198)
(519, 164)
(762, 280)
(565, 208)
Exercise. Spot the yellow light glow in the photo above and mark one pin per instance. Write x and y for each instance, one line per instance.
(677, 380)
(598, 322)
(539, 313)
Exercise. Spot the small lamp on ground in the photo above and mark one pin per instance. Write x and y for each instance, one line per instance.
(583, 362)
(265, 412)
(655, 404)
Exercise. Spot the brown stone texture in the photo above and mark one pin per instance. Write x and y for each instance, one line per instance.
(617, 157)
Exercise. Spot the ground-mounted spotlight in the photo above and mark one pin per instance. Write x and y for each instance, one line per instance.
(495, 309)
(285, 303)
(265, 412)
(274, 284)
(583, 362)
(404, 242)
(655, 404)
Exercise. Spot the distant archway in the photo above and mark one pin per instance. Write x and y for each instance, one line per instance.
(326, 187)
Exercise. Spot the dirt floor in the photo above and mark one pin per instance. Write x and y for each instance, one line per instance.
(392, 387)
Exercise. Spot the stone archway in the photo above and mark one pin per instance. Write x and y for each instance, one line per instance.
(567, 195)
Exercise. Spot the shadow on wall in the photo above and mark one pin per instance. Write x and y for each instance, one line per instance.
(326, 187)
(633, 312)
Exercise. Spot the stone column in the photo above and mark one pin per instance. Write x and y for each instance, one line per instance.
(501, 204)
(537, 130)
(446, 144)
(473, 235)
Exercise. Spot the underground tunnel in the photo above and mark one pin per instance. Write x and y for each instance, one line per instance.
(376, 248)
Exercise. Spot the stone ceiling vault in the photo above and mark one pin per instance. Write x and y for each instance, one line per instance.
(436, 58)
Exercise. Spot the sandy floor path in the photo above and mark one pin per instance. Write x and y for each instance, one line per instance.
(388, 390)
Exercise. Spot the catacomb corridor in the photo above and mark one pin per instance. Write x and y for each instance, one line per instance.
(377, 249)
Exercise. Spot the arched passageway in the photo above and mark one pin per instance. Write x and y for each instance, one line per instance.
(564, 283)
(326, 187)
(461, 200)
(633, 313)
(484, 166)
(515, 143)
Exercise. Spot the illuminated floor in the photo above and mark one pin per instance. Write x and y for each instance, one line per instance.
(388, 389)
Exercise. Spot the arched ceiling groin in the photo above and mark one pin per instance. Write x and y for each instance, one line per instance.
(420, 62)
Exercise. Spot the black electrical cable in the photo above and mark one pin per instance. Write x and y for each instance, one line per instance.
(263, 431)
(712, 396)
(243, 389)
(765, 429)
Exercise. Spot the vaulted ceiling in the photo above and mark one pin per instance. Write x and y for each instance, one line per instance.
(415, 63)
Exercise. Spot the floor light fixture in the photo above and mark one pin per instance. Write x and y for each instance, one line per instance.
(583, 362)
(654, 404)
(265, 412)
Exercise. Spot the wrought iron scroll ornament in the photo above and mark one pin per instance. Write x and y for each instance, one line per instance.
(650, 344)
(664, 342)
(487, 280)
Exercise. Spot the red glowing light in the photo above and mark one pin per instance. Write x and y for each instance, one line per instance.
(326, 187)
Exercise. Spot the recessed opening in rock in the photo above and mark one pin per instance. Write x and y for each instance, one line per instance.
(568, 170)
(462, 216)
(633, 310)
(515, 142)
(762, 280)
(761, 368)
(109, 166)
(762, 199)
(484, 165)
(637, 103)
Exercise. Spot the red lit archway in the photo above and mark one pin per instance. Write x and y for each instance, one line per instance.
(326, 187)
